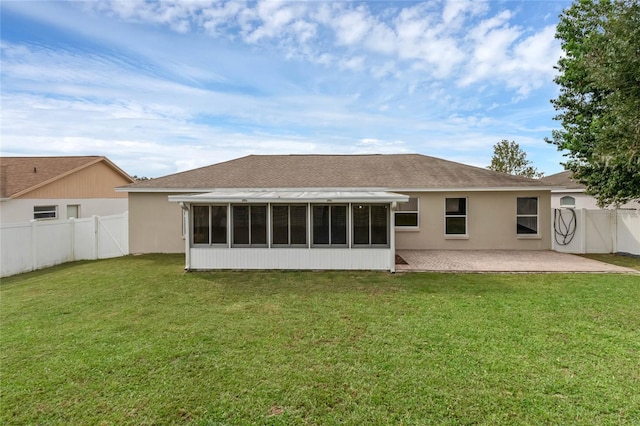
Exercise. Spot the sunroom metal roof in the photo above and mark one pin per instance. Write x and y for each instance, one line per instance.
(292, 197)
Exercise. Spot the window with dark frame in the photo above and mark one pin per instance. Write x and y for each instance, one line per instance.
(45, 212)
(456, 216)
(200, 224)
(329, 225)
(209, 224)
(370, 225)
(406, 215)
(527, 216)
(249, 225)
(218, 224)
(289, 225)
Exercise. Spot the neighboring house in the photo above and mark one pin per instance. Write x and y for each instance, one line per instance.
(334, 211)
(60, 188)
(571, 194)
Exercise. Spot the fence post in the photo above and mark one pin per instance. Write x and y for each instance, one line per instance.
(72, 223)
(614, 231)
(96, 237)
(34, 248)
(125, 243)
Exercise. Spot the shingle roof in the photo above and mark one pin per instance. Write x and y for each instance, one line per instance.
(396, 171)
(21, 174)
(563, 179)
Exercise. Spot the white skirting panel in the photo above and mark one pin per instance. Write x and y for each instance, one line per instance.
(288, 258)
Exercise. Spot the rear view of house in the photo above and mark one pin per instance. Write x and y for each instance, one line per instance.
(334, 211)
(44, 188)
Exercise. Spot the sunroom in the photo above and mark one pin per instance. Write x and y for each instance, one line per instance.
(289, 229)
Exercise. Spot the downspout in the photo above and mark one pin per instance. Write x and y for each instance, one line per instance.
(614, 232)
(392, 235)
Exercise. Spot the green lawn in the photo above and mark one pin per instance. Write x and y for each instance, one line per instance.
(616, 259)
(137, 341)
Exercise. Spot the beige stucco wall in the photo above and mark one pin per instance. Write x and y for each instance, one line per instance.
(491, 222)
(155, 224)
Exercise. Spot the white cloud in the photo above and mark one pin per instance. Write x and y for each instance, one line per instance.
(274, 19)
(351, 26)
(274, 77)
(440, 39)
(354, 64)
(507, 53)
(454, 10)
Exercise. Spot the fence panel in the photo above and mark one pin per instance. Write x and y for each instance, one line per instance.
(600, 231)
(85, 239)
(628, 231)
(39, 244)
(16, 249)
(53, 243)
(568, 230)
(597, 231)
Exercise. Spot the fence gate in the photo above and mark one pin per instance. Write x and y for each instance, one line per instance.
(38, 244)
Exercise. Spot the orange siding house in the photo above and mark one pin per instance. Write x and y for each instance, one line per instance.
(44, 188)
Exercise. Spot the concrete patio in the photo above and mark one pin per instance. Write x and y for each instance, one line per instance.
(501, 261)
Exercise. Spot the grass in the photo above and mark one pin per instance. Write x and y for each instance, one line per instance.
(136, 340)
(628, 261)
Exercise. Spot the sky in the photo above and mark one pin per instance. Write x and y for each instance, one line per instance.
(167, 86)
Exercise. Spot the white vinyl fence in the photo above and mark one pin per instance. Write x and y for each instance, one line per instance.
(596, 231)
(38, 244)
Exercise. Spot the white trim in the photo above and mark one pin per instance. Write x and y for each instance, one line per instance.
(417, 213)
(572, 190)
(208, 258)
(464, 236)
(537, 235)
(288, 197)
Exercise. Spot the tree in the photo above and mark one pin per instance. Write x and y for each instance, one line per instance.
(599, 100)
(509, 158)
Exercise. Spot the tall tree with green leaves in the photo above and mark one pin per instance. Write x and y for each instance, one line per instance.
(508, 157)
(599, 101)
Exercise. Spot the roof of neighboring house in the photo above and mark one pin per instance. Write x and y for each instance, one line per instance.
(394, 171)
(563, 179)
(19, 175)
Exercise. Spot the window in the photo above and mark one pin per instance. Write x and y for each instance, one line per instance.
(45, 212)
(209, 224)
(73, 210)
(289, 225)
(200, 224)
(455, 216)
(568, 201)
(250, 225)
(370, 225)
(329, 225)
(407, 214)
(218, 224)
(527, 216)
